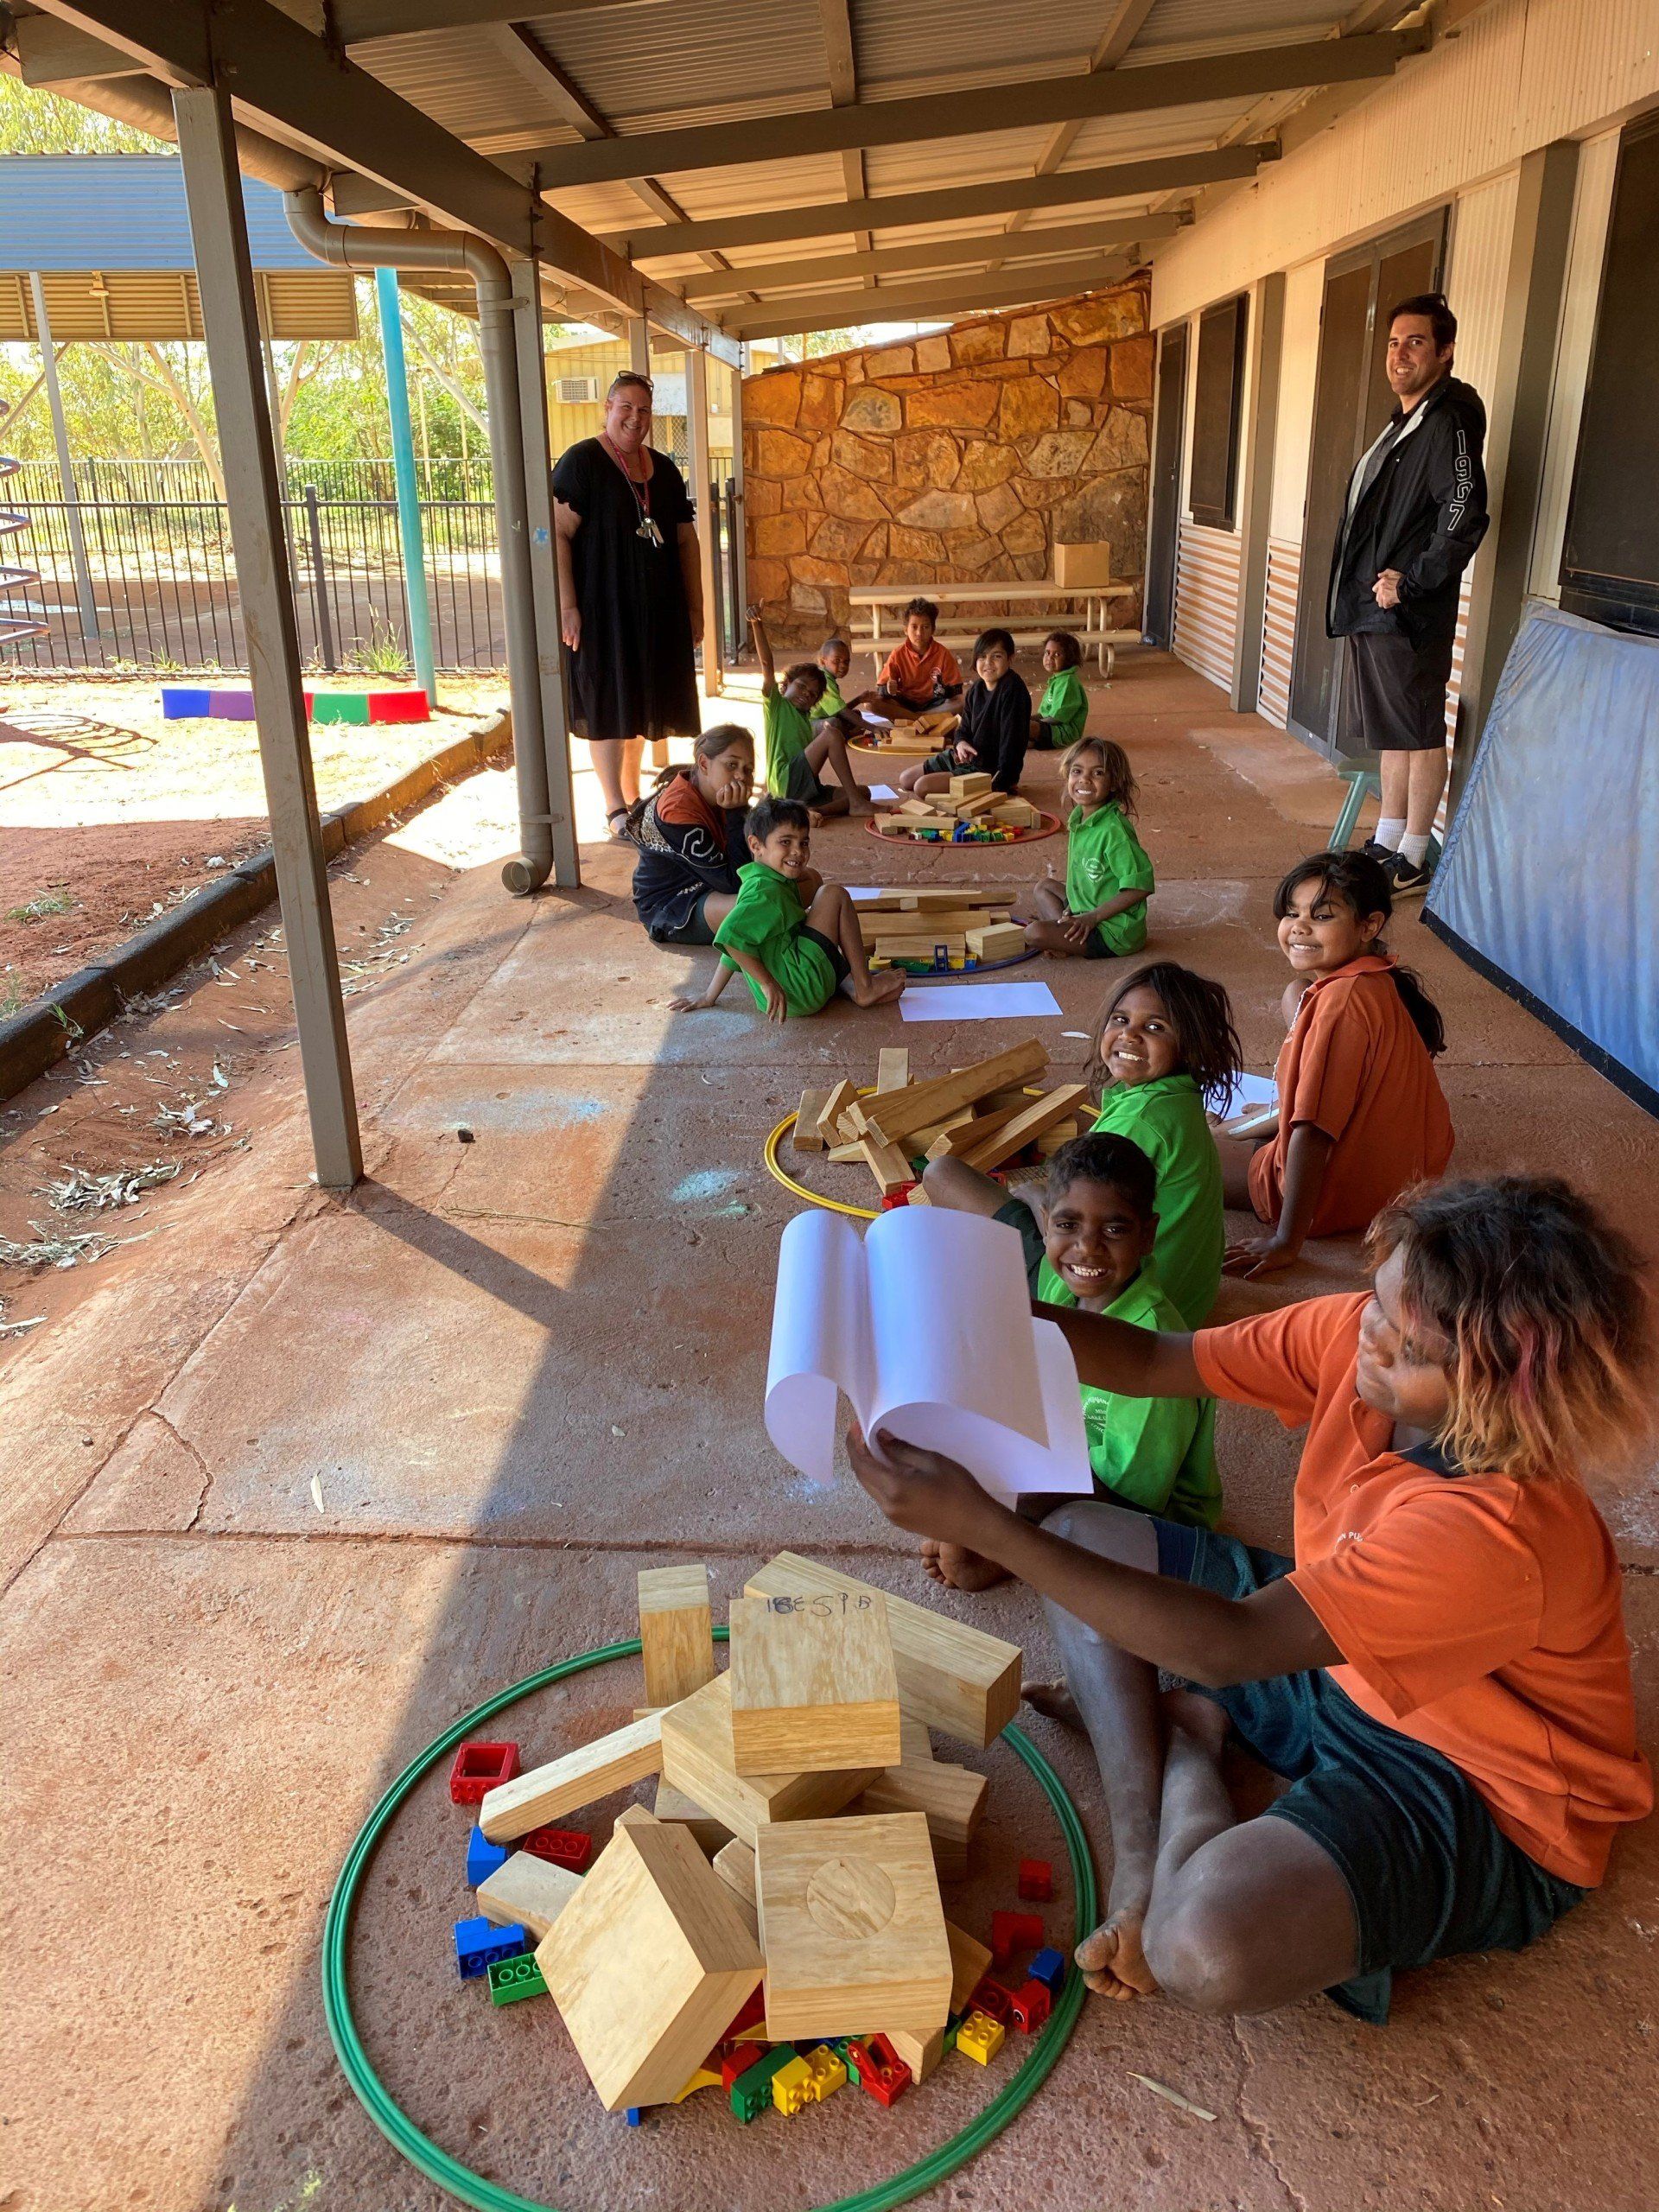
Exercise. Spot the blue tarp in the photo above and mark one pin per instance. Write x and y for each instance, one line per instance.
(1550, 878)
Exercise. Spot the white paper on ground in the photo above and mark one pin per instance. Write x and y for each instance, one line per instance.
(858, 892)
(875, 720)
(881, 791)
(978, 1002)
(925, 1324)
(1250, 1094)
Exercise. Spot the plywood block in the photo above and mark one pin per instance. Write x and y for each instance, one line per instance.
(527, 1890)
(952, 894)
(581, 1777)
(969, 786)
(889, 1163)
(917, 1196)
(834, 1106)
(677, 1638)
(920, 2053)
(889, 825)
(852, 1927)
(891, 1068)
(648, 1963)
(813, 1685)
(997, 941)
(707, 1833)
(970, 1961)
(1041, 1114)
(951, 1677)
(734, 1864)
(1051, 1140)
(917, 1746)
(1017, 814)
(964, 1136)
(808, 1137)
(937, 921)
(950, 1799)
(842, 1154)
(914, 806)
(698, 1758)
(922, 1103)
(984, 801)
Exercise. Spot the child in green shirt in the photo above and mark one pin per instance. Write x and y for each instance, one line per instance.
(1099, 912)
(796, 749)
(1063, 707)
(796, 937)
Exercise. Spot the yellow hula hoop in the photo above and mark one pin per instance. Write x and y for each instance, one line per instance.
(777, 1171)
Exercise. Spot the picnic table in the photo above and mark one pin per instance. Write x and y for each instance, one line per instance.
(1091, 599)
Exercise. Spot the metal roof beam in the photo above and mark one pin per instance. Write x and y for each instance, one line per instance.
(926, 302)
(992, 246)
(960, 203)
(1242, 75)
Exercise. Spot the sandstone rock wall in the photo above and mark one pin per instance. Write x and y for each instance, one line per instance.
(958, 457)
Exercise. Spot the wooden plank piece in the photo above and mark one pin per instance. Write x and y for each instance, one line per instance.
(997, 941)
(581, 1777)
(672, 1804)
(889, 1163)
(1041, 1114)
(677, 1636)
(891, 1068)
(698, 1758)
(970, 1961)
(528, 1889)
(955, 1143)
(808, 1137)
(813, 1685)
(922, 1103)
(834, 1107)
(951, 1799)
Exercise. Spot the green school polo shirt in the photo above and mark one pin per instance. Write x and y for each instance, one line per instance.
(1155, 1454)
(1065, 703)
(1102, 857)
(788, 735)
(767, 921)
(832, 702)
(1165, 1119)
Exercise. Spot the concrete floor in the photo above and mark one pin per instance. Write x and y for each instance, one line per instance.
(295, 1484)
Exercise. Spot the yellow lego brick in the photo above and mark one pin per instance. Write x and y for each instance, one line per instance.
(792, 2086)
(702, 2079)
(828, 2074)
(980, 2037)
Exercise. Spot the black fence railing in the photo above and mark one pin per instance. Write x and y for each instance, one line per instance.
(164, 574)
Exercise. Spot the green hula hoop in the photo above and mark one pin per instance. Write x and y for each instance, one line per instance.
(461, 2183)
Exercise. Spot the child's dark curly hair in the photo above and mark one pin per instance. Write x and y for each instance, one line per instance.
(1070, 651)
(1121, 785)
(1201, 1016)
(805, 668)
(1362, 885)
(769, 814)
(1103, 1158)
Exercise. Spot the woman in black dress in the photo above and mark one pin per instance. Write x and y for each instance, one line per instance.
(630, 592)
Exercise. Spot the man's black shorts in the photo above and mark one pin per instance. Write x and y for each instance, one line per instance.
(1396, 692)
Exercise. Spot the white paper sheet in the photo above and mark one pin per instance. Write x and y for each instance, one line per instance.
(875, 720)
(880, 792)
(1250, 1094)
(925, 1324)
(978, 1002)
(859, 892)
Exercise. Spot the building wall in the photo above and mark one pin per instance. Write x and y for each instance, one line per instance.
(957, 458)
(570, 421)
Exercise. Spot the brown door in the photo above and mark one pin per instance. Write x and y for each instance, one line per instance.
(1158, 617)
(1351, 402)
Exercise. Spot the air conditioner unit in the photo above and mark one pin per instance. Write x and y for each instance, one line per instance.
(571, 391)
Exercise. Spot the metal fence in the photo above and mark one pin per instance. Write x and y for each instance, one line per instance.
(163, 576)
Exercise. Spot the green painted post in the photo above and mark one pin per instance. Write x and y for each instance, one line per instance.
(403, 469)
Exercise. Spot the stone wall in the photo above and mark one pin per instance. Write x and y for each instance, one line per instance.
(956, 458)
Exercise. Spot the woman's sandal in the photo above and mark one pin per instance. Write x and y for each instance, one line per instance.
(622, 837)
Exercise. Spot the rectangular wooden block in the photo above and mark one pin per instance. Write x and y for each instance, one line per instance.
(920, 2053)
(997, 941)
(970, 1961)
(808, 1137)
(528, 1889)
(922, 1103)
(950, 1799)
(677, 1635)
(951, 1677)
(581, 1777)
(966, 1136)
(951, 894)
(1041, 1114)
(889, 1165)
(842, 1155)
(707, 1833)
(698, 1758)
(648, 1963)
(734, 1864)
(834, 1106)
(852, 1927)
(983, 802)
(969, 786)
(889, 825)
(813, 1684)
(891, 1068)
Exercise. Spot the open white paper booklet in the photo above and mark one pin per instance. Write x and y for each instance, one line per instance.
(925, 1323)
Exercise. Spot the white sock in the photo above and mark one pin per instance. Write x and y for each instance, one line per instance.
(1414, 850)
(1388, 834)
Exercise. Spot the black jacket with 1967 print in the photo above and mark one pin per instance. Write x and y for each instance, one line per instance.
(1423, 513)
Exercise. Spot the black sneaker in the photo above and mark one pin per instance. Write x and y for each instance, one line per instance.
(1384, 855)
(1410, 879)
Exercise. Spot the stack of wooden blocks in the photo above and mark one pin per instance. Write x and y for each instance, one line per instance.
(959, 926)
(926, 732)
(971, 801)
(801, 1829)
(985, 1114)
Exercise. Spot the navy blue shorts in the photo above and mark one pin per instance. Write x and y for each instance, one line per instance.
(1428, 1869)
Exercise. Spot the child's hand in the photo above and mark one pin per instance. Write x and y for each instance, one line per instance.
(1076, 929)
(965, 752)
(1253, 1257)
(751, 612)
(687, 1005)
(815, 818)
(922, 1491)
(736, 793)
(777, 1004)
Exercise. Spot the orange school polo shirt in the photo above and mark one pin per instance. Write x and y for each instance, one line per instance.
(911, 675)
(1354, 1066)
(1481, 1616)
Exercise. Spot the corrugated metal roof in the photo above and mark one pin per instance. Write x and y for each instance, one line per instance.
(130, 304)
(1199, 24)
(122, 210)
(953, 45)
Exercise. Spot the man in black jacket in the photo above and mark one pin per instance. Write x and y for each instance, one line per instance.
(1416, 511)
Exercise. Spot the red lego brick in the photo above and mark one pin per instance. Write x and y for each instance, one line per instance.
(753, 2012)
(738, 2061)
(881, 2071)
(991, 1999)
(890, 1203)
(1029, 2007)
(571, 1847)
(1015, 1931)
(1037, 1881)
(479, 1767)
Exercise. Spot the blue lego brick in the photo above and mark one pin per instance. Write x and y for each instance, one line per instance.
(478, 1946)
(632, 2115)
(1048, 1967)
(483, 1858)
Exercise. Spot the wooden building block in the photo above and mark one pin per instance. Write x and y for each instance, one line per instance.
(734, 1864)
(889, 1163)
(813, 1685)
(951, 894)
(917, 1743)
(917, 1196)
(889, 1119)
(844, 1096)
(969, 786)
(697, 1758)
(1017, 814)
(950, 1799)
(581, 1777)
(889, 825)
(997, 941)
(970, 1961)
(707, 1833)
(527, 1890)
(951, 1677)
(1051, 1140)
(1013, 1136)
(914, 806)
(891, 1068)
(842, 1155)
(985, 802)
(965, 1136)
(648, 1963)
(852, 1927)
(920, 2053)
(677, 1636)
(808, 1137)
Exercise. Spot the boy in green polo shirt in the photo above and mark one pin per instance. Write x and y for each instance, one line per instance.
(1063, 707)
(1099, 912)
(796, 937)
(799, 741)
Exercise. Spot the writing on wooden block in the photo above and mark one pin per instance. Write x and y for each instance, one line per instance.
(951, 1677)
(581, 1777)
(528, 1889)
(852, 1926)
(648, 1963)
(698, 1758)
(676, 1639)
(808, 1137)
(813, 1685)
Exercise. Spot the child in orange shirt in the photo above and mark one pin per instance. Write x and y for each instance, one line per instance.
(1441, 1673)
(919, 673)
(1362, 1114)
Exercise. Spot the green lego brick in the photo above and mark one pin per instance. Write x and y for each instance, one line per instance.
(511, 1978)
(752, 2092)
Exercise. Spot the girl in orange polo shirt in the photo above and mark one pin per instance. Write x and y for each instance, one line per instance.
(1441, 1672)
(1362, 1116)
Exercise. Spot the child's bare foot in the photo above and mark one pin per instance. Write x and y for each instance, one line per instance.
(1111, 1961)
(960, 1569)
(1054, 1700)
(877, 990)
(931, 1559)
